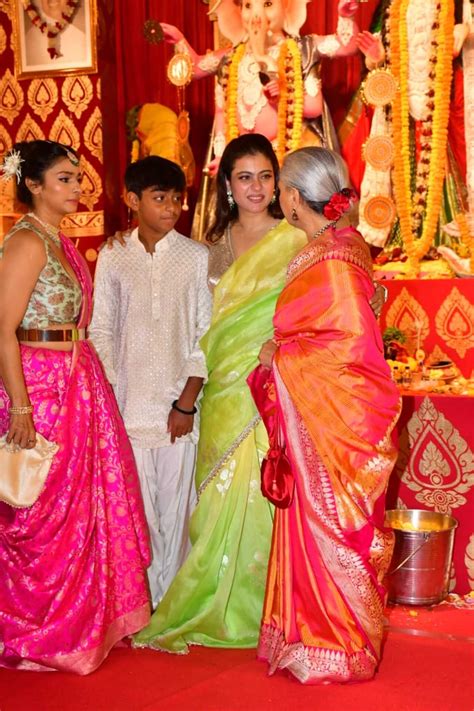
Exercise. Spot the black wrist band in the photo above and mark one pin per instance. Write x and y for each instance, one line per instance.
(180, 409)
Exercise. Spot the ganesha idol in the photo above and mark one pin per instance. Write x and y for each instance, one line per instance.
(268, 79)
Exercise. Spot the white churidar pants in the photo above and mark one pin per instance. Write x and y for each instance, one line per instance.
(167, 482)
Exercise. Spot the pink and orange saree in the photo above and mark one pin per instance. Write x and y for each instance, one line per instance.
(337, 406)
(72, 567)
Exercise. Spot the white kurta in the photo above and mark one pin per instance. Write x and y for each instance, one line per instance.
(150, 312)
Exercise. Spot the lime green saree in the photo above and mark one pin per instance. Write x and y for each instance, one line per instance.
(216, 598)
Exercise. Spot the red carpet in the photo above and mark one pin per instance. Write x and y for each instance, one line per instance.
(428, 665)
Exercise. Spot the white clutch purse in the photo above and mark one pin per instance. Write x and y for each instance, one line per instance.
(23, 472)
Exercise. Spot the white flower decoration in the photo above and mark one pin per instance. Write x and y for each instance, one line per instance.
(254, 488)
(12, 166)
(226, 477)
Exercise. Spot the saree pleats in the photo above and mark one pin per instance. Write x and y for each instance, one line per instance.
(216, 598)
(323, 611)
(73, 566)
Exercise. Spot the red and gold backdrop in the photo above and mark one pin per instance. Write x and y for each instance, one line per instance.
(89, 111)
(66, 109)
(436, 315)
(435, 470)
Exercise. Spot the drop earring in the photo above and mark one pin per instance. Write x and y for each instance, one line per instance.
(274, 199)
(294, 215)
(230, 199)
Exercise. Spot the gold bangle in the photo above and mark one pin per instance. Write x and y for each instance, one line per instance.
(20, 410)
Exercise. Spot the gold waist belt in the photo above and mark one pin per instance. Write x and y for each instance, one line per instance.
(43, 335)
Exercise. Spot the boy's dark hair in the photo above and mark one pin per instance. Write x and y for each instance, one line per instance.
(154, 172)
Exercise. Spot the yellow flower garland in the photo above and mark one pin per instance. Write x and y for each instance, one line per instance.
(466, 238)
(231, 92)
(417, 248)
(290, 101)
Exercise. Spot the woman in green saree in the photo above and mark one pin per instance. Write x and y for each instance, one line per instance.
(216, 598)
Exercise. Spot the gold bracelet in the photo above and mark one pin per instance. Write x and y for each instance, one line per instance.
(20, 410)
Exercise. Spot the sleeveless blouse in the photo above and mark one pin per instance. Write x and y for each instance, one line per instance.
(56, 297)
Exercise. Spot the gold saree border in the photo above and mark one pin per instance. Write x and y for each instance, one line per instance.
(228, 454)
(329, 248)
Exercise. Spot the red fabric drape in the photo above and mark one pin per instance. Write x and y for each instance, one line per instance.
(456, 131)
(340, 77)
(134, 72)
(140, 77)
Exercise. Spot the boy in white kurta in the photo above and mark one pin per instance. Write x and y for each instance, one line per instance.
(151, 308)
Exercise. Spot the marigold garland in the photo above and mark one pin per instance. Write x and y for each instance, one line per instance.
(442, 69)
(466, 238)
(52, 30)
(290, 101)
(283, 100)
(230, 88)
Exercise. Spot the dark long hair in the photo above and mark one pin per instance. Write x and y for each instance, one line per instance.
(249, 144)
(37, 157)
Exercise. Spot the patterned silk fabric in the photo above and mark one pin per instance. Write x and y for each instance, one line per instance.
(323, 611)
(221, 256)
(56, 297)
(73, 578)
(216, 598)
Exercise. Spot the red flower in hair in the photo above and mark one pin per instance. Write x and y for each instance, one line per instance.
(339, 203)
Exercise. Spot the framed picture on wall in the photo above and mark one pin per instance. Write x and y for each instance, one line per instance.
(54, 37)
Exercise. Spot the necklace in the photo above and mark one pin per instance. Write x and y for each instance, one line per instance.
(51, 231)
(323, 229)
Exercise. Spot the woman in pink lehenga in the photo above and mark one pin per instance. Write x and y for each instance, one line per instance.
(72, 567)
(330, 399)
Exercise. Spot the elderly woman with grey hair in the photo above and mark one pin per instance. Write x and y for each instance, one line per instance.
(330, 405)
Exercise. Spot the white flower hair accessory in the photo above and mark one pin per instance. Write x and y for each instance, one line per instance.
(12, 165)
